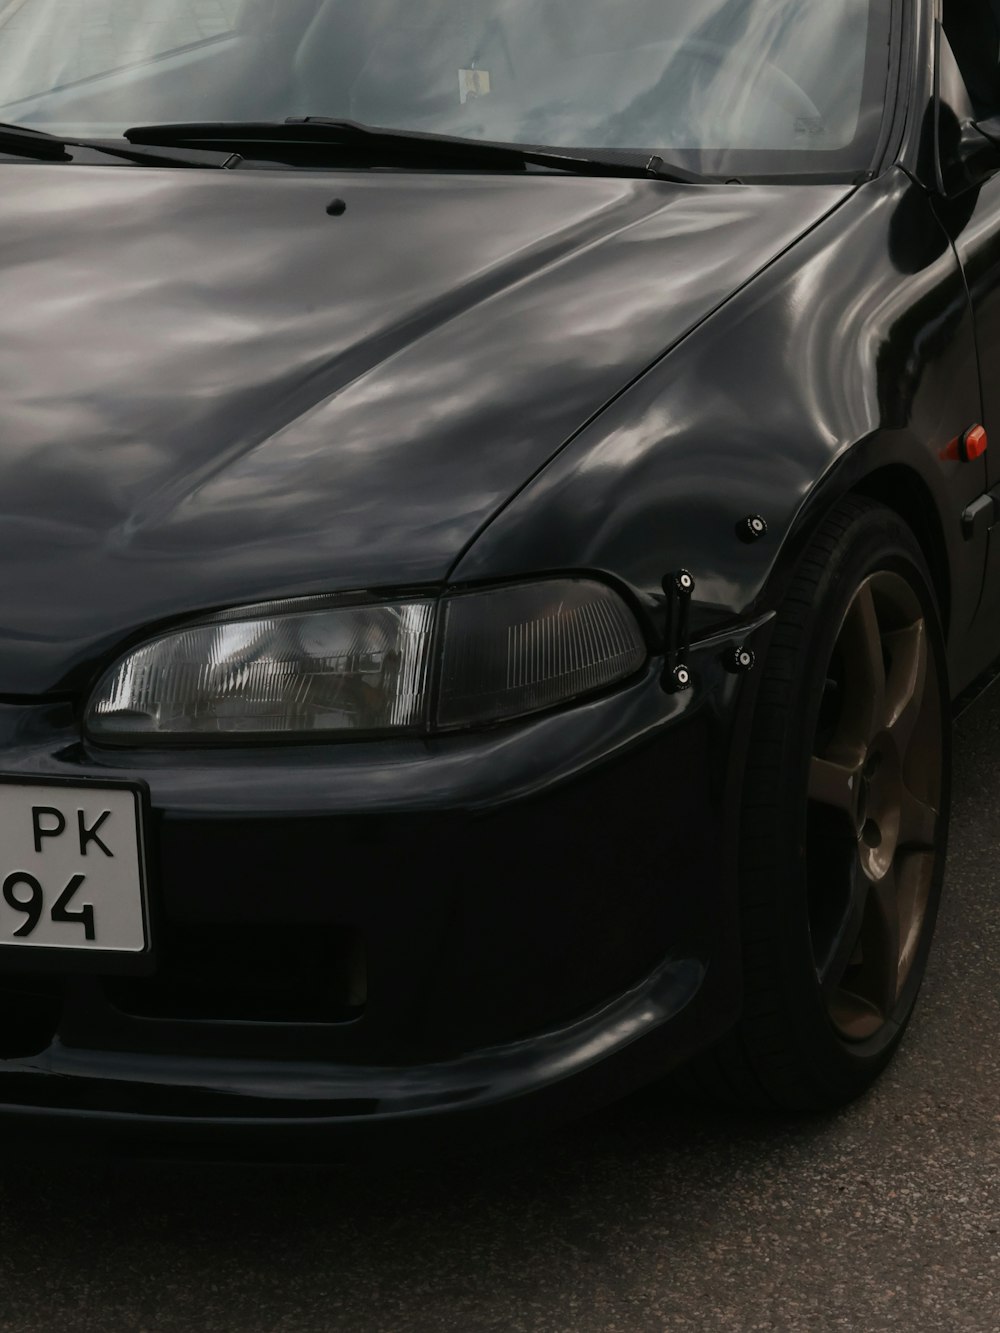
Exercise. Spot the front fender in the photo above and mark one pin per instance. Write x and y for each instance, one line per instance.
(853, 353)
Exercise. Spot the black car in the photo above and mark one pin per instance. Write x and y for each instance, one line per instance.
(496, 512)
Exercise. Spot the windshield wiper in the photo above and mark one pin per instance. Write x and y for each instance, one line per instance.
(45, 147)
(406, 146)
(32, 143)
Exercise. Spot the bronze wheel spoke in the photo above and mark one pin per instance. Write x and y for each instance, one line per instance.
(832, 783)
(855, 1016)
(845, 943)
(918, 823)
(906, 683)
(914, 873)
(876, 760)
(861, 641)
(882, 928)
(865, 994)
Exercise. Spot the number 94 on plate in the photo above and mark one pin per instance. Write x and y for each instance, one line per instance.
(72, 872)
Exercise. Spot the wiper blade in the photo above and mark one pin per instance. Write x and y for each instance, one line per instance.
(417, 145)
(45, 147)
(625, 164)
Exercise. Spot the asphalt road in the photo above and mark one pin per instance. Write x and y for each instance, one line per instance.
(648, 1217)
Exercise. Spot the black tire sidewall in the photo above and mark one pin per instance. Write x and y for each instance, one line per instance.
(874, 539)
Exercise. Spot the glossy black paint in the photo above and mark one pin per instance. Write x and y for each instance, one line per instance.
(497, 883)
(971, 216)
(842, 364)
(212, 391)
(279, 403)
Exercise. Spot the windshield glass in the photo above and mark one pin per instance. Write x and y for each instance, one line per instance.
(718, 85)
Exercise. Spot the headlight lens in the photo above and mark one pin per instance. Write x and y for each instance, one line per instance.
(348, 669)
(503, 653)
(511, 651)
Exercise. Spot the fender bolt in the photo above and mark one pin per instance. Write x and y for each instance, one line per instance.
(752, 528)
(680, 678)
(741, 660)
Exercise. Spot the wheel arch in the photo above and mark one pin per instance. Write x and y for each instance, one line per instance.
(863, 470)
(898, 482)
(903, 490)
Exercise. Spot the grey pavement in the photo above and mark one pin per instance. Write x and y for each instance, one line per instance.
(651, 1216)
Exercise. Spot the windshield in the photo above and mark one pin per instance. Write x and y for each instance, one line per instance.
(718, 85)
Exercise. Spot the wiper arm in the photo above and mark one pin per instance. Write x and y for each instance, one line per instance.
(417, 145)
(32, 143)
(624, 164)
(45, 147)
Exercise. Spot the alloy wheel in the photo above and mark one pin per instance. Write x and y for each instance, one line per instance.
(875, 788)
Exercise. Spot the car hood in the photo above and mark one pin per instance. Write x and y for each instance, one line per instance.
(213, 391)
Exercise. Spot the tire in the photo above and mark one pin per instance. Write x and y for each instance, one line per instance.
(844, 821)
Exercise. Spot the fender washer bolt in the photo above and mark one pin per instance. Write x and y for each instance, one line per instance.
(753, 528)
(681, 676)
(741, 660)
(685, 582)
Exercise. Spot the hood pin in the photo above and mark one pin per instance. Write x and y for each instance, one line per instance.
(679, 589)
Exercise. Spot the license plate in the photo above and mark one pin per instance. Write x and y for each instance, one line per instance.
(72, 872)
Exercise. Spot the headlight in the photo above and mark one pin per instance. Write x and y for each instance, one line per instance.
(414, 666)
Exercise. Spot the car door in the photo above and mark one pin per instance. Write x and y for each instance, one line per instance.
(971, 214)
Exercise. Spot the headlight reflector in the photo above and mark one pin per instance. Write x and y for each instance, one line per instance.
(279, 673)
(511, 651)
(344, 669)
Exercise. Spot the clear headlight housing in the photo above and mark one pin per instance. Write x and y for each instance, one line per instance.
(422, 665)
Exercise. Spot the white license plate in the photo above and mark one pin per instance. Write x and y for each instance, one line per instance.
(72, 869)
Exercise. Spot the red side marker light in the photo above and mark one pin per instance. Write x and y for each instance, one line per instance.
(968, 447)
(975, 443)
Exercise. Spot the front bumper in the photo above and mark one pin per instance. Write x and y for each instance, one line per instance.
(479, 930)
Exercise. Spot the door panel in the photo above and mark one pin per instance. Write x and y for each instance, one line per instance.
(972, 219)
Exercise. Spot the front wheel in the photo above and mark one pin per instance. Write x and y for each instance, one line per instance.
(844, 820)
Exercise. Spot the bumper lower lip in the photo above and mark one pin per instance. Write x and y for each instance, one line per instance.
(547, 916)
(231, 1104)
